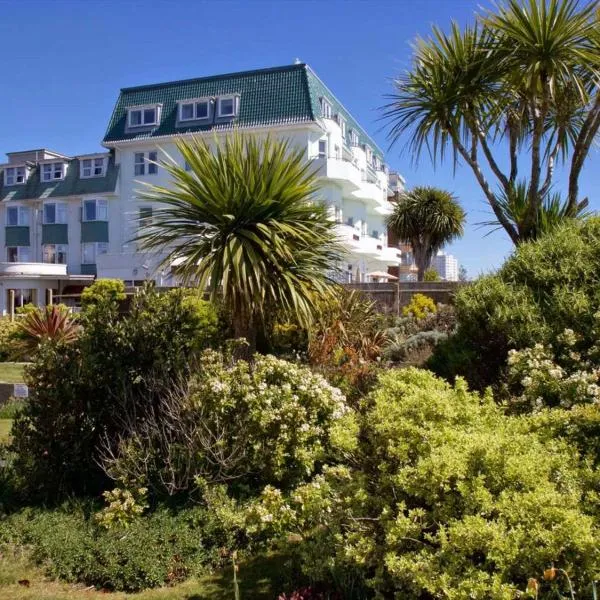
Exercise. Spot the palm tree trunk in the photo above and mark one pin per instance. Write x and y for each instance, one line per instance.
(244, 327)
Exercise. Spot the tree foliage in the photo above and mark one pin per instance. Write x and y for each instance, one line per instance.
(522, 80)
(427, 218)
(245, 223)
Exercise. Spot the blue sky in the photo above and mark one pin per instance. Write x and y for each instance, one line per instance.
(64, 62)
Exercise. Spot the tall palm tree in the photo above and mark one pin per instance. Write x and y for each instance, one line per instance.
(427, 218)
(512, 96)
(244, 223)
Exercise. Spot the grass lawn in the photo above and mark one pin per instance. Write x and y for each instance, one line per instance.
(5, 425)
(11, 372)
(262, 578)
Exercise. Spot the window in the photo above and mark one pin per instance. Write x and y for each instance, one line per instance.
(55, 254)
(322, 148)
(350, 221)
(53, 171)
(93, 167)
(22, 297)
(16, 254)
(369, 154)
(227, 106)
(55, 212)
(17, 216)
(375, 234)
(353, 138)
(145, 218)
(194, 111)
(325, 108)
(15, 175)
(91, 250)
(338, 152)
(342, 123)
(143, 116)
(143, 164)
(337, 214)
(95, 210)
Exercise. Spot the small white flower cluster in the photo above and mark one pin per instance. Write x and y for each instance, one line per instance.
(546, 383)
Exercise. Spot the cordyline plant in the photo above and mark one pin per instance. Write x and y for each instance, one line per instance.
(49, 323)
(520, 88)
(245, 224)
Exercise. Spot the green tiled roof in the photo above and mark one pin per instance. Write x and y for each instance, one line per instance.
(71, 185)
(274, 96)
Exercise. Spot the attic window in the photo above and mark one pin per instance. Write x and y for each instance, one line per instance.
(353, 138)
(194, 110)
(227, 106)
(53, 171)
(325, 108)
(15, 175)
(93, 167)
(142, 116)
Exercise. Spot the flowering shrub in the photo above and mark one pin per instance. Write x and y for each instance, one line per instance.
(252, 424)
(419, 306)
(443, 496)
(546, 286)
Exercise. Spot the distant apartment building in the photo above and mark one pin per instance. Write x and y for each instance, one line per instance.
(68, 219)
(446, 266)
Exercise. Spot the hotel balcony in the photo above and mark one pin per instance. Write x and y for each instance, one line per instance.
(342, 170)
(368, 246)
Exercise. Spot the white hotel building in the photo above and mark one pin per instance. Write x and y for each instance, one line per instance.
(67, 219)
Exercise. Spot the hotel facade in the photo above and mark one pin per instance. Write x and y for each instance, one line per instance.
(69, 219)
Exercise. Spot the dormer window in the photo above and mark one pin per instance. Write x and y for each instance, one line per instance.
(15, 175)
(53, 171)
(143, 116)
(227, 106)
(353, 138)
(194, 110)
(92, 167)
(325, 108)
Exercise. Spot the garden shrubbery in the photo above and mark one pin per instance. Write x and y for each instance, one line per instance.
(80, 389)
(162, 548)
(443, 496)
(546, 287)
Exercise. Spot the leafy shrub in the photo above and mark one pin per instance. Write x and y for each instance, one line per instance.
(103, 291)
(400, 348)
(545, 287)
(11, 408)
(443, 496)
(431, 275)
(7, 331)
(419, 307)
(161, 548)
(121, 363)
(249, 424)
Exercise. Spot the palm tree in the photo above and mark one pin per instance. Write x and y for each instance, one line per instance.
(427, 218)
(245, 224)
(520, 88)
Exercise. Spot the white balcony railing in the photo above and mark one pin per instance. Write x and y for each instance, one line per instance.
(15, 269)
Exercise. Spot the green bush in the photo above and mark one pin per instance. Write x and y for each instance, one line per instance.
(121, 363)
(158, 549)
(443, 496)
(245, 424)
(103, 291)
(7, 333)
(547, 286)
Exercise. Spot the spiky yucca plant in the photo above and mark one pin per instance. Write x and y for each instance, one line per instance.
(49, 323)
(245, 224)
